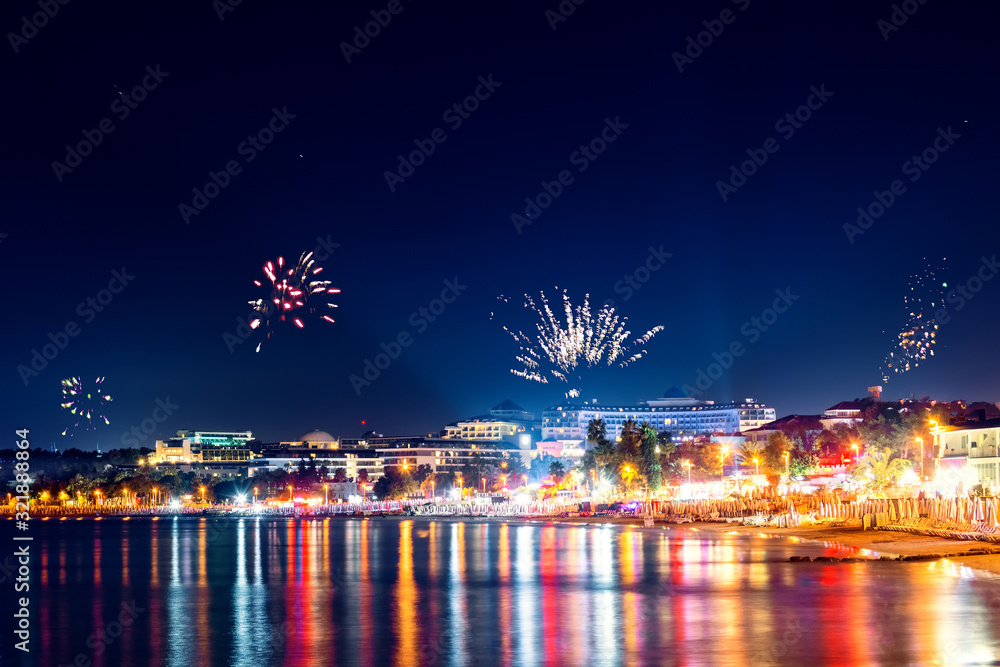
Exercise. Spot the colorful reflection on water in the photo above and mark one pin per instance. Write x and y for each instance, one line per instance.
(381, 591)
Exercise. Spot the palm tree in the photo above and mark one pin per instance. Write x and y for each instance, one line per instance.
(877, 470)
(748, 451)
(597, 431)
(557, 470)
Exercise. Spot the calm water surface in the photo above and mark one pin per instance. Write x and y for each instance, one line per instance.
(387, 591)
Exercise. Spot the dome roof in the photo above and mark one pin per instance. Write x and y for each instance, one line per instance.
(674, 392)
(317, 436)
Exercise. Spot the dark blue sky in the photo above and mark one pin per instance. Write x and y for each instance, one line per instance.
(322, 177)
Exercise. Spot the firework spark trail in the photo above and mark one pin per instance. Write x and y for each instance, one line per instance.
(292, 289)
(83, 404)
(560, 349)
(916, 340)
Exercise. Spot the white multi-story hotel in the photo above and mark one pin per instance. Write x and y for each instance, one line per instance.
(976, 445)
(680, 415)
(507, 422)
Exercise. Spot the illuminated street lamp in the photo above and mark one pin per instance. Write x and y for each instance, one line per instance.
(433, 496)
(757, 463)
(935, 429)
(289, 494)
(593, 480)
(326, 493)
(855, 448)
(255, 495)
(785, 456)
(722, 462)
(688, 464)
(503, 478)
(484, 485)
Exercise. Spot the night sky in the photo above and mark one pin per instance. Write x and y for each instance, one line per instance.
(548, 92)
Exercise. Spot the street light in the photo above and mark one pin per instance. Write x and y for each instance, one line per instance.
(432, 490)
(289, 494)
(688, 464)
(255, 495)
(786, 457)
(326, 493)
(722, 462)
(856, 454)
(484, 485)
(203, 495)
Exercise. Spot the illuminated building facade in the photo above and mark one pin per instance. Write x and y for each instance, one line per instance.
(676, 413)
(202, 447)
(975, 445)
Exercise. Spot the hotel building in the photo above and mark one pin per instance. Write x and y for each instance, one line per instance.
(681, 416)
(203, 446)
(506, 423)
(441, 454)
(974, 445)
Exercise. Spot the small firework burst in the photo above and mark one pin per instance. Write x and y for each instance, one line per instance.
(85, 404)
(915, 342)
(294, 292)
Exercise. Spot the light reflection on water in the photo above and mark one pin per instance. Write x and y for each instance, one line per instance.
(251, 591)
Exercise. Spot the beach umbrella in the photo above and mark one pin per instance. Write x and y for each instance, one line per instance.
(991, 514)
